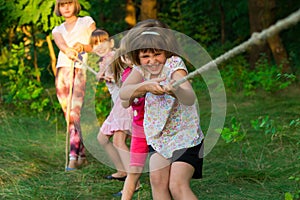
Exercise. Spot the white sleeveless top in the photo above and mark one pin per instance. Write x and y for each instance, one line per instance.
(80, 33)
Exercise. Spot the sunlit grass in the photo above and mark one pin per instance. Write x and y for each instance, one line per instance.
(32, 157)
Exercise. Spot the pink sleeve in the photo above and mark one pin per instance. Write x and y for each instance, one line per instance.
(126, 73)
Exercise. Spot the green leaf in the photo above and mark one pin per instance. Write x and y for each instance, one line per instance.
(288, 196)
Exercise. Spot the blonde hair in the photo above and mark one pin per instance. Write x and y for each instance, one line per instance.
(59, 2)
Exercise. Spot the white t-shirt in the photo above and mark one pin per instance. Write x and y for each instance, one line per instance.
(80, 33)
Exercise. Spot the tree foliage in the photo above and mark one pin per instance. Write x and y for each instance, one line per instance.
(217, 25)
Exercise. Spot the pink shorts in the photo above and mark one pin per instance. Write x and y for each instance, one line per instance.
(138, 146)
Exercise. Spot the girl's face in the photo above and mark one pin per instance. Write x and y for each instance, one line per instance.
(153, 61)
(67, 9)
(102, 48)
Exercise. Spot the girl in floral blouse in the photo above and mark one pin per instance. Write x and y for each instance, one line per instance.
(171, 121)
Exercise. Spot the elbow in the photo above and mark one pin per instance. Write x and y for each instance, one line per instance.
(187, 98)
(125, 104)
(188, 101)
(192, 99)
(122, 95)
(124, 100)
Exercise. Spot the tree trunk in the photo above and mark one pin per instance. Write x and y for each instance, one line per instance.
(51, 54)
(279, 53)
(130, 18)
(148, 9)
(261, 16)
(278, 50)
(28, 41)
(222, 23)
(35, 62)
(257, 24)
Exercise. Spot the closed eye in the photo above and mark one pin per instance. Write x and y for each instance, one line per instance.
(145, 56)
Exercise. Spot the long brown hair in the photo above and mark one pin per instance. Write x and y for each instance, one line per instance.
(118, 65)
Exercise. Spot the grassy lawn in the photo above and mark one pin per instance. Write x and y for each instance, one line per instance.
(32, 156)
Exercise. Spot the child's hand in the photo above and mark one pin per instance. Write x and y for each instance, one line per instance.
(154, 86)
(71, 53)
(109, 78)
(100, 75)
(169, 89)
(78, 47)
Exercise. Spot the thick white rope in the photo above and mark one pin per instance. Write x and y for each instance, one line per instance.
(85, 65)
(256, 38)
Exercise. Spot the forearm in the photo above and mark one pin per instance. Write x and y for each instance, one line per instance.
(60, 42)
(63, 47)
(130, 92)
(185, 96)
(184, 92)
(87, 48)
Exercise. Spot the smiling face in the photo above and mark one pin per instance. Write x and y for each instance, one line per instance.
(153, 61)
(103, 48)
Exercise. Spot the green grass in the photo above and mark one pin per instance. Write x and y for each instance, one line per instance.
(32, 156)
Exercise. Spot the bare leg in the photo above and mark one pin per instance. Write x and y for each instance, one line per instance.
(159, 177)
(119, 142)
(112, 153)
(180, 176)
(131, 182)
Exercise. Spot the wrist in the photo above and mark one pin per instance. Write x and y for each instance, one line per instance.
(81, 48)
(69, 50)
(71, 53)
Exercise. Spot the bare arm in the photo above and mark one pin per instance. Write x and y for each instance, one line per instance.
(134, 87)
(60, 42)
(79, 47)
(184, 93)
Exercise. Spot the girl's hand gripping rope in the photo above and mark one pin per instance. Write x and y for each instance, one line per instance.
(154, 86)
(78, 47)
(71, 54)
(169, 89)
(101, 76)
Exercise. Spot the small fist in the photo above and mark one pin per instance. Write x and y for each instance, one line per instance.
(78, 47)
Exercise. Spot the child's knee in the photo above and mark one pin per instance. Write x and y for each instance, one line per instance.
(119, 140)
(178, 188)
(174, 187)
(102, 139)
(158, 181)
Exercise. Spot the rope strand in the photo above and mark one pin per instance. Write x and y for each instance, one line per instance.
(256, 38)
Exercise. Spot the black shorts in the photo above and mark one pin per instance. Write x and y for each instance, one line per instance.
(192, 156)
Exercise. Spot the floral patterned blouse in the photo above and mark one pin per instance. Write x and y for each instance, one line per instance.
(170, 125)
